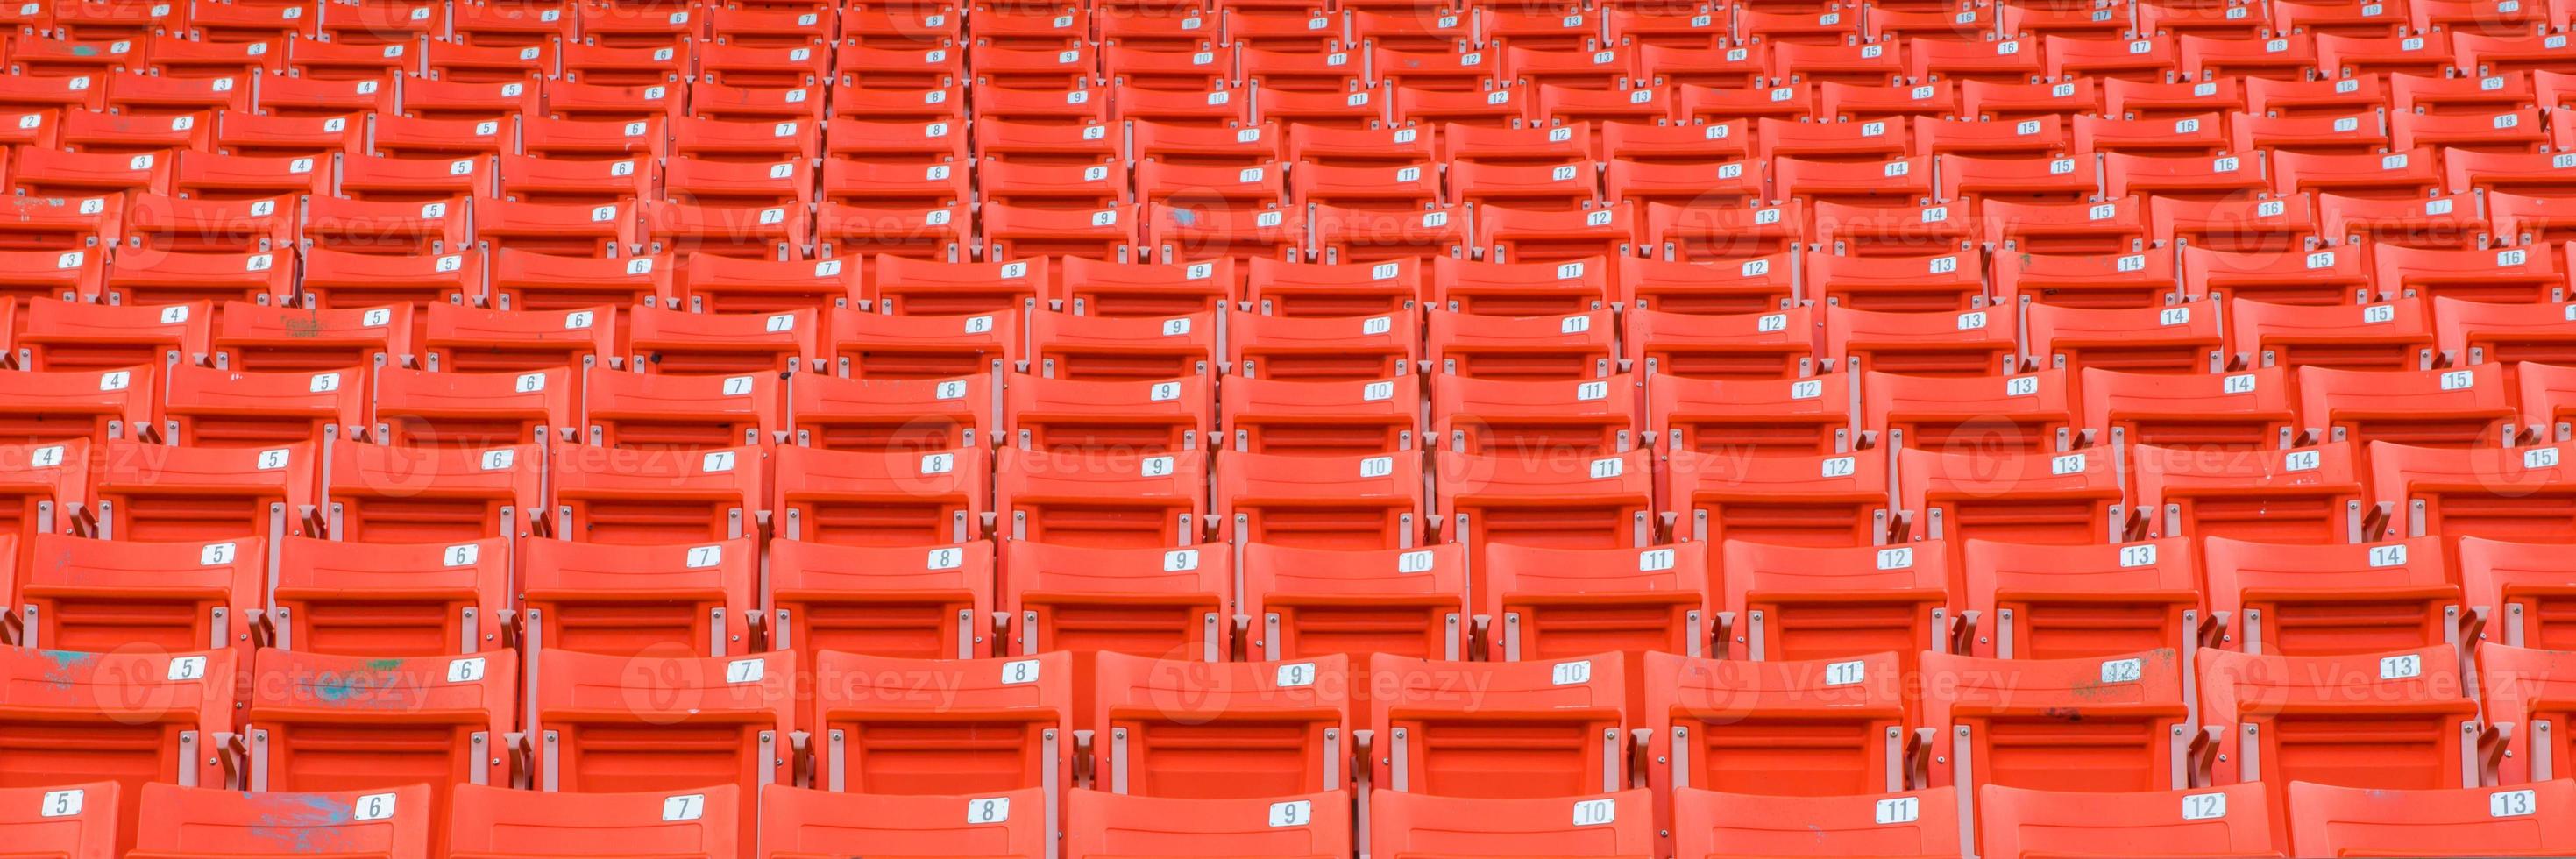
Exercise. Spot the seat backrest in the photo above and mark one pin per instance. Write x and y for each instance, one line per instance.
(1546, 603)
(74, 821)
(129, 716)
(912, 601)
(2333, 598)
(1836, 725)
(492, 822)
(2518, 587)
(1403, 825)
(811, 824)
(102, 595)
(1305, 826)
(1926, 822)
(394, 823)
(2515, 820)
(1567, 718)
(2086, 723)
(2048, 602)
(2279, 719)
(722, 720)
(1309, 602)
(1001, 724)
(2234, 820)
(2533, 691)
(1168, 727)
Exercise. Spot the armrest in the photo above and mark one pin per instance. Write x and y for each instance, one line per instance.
(1963, 631)
(2204, 754)
(1918, 758)
(1638, 738)
(2213, 628)
(1722, 632)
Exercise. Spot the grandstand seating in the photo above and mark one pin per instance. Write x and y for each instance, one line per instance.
(1407, 428)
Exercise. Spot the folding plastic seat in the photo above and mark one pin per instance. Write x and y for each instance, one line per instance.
(930, 65)
(69, 335)
(710, 183)
(2508, 494)
(301, 96)
(2261, 495)
(50, 173)
(2461, 97)
(101, 595)
(43, 488)
(888, 414)
(2087, 251)
(1068, 141)
(1534, 418)
(1321, 348)
(2019, 723)
(1126, 290)
(2467, 407)
(574, 95)
(129, 717)
(2325, 133)
(2319, 114)
(2183, 822)
(2522, 818)
(2500, 54)
(1572, 66)
(1310, 602)
(632, 65)
(593, 139)
(1371, 234)
(2103, 54)
(208, 407)
(567, 229)
(1053, 186)
(180, 494)
(2391, 720)
(1523, 348)
(719, 723)
(1434, 69)
(1218, 186)
(2331, 599)
(1534, 501)
(2291, 57)
(2248, 225)
(1071, 500)
(918, 105)
(1293, 288)
(762, 232)
(710, 283)
(1923, 822)
(1820, 602)
(56, 92)
(1106, 824)
(2367, 337)
(2238, 411)
(1323, 502)
(1665, 27)
(2181, 338)
(96, 133)
(2031, 601)
(880, 498)
(1700, 233)
(206, 230)
(1843, 144)
(305, 707)
(1742, 725)
(383, 22)
(1739, 492)
(2199, 135)
(2516, 594)
(1374, 188)
(1762, 415)
(1681, 183)
(1576, 105)
(2511, 131)
(867, 345)
(492, 821)
(1235, 730)
(461, 172)
(374, 493)
(2448, 222)
(2187, 178)
(800, 822)
(352, 61)
(637, 600)
(1097, 416)
(1320, 417)
(59, 57)
(604, 495)
(72, 820)
(378, 599)
(1898, 181)
(2026, 412)
(638, 411)
(2060, 499)
(461, 63)
(1019, 231)
(248, 823)
(1067, 346)
(1968, 343)
(1565, 718)
(1840, 64)
(1888, 269)
(1185, 29)
(874, 736)
(2408, 175)
(1522, 289)
(1437, 108)
(2014, 60)
(1587, 237)
(1290, 108)
(50, 407)
(682, 343)
(1246, 146)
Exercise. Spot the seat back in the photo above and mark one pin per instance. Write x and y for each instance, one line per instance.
(1307, 602)
(1566, 721)
(798, 823)
(1735, 725)
(406, 599)
(1304, 826)
(629, 600)
(2339, 598)
(1221, 730)
(394, 823)
(103, 595)
(1926, 822)
(1005, 724)
(1423, 826)
(2515, 820)
(2235, 820)
(74, 821)
(130, 717)
(2051, 602)
(1801, 602)
(493, 822)
(2086, 723)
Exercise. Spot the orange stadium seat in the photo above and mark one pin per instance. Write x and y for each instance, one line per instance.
(1810, 603)
(1227, 730)
(1417, 826)
(64, 819)
(101, 595)
(69, 721)
(797, 822)
(1566, 722)
(396, 823)
(1006, 726)
(2336, 820)
(1107, 824)
(1925, 822)
(1745, 726)
(1312, 602)
(490, 822)
(636, 599)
